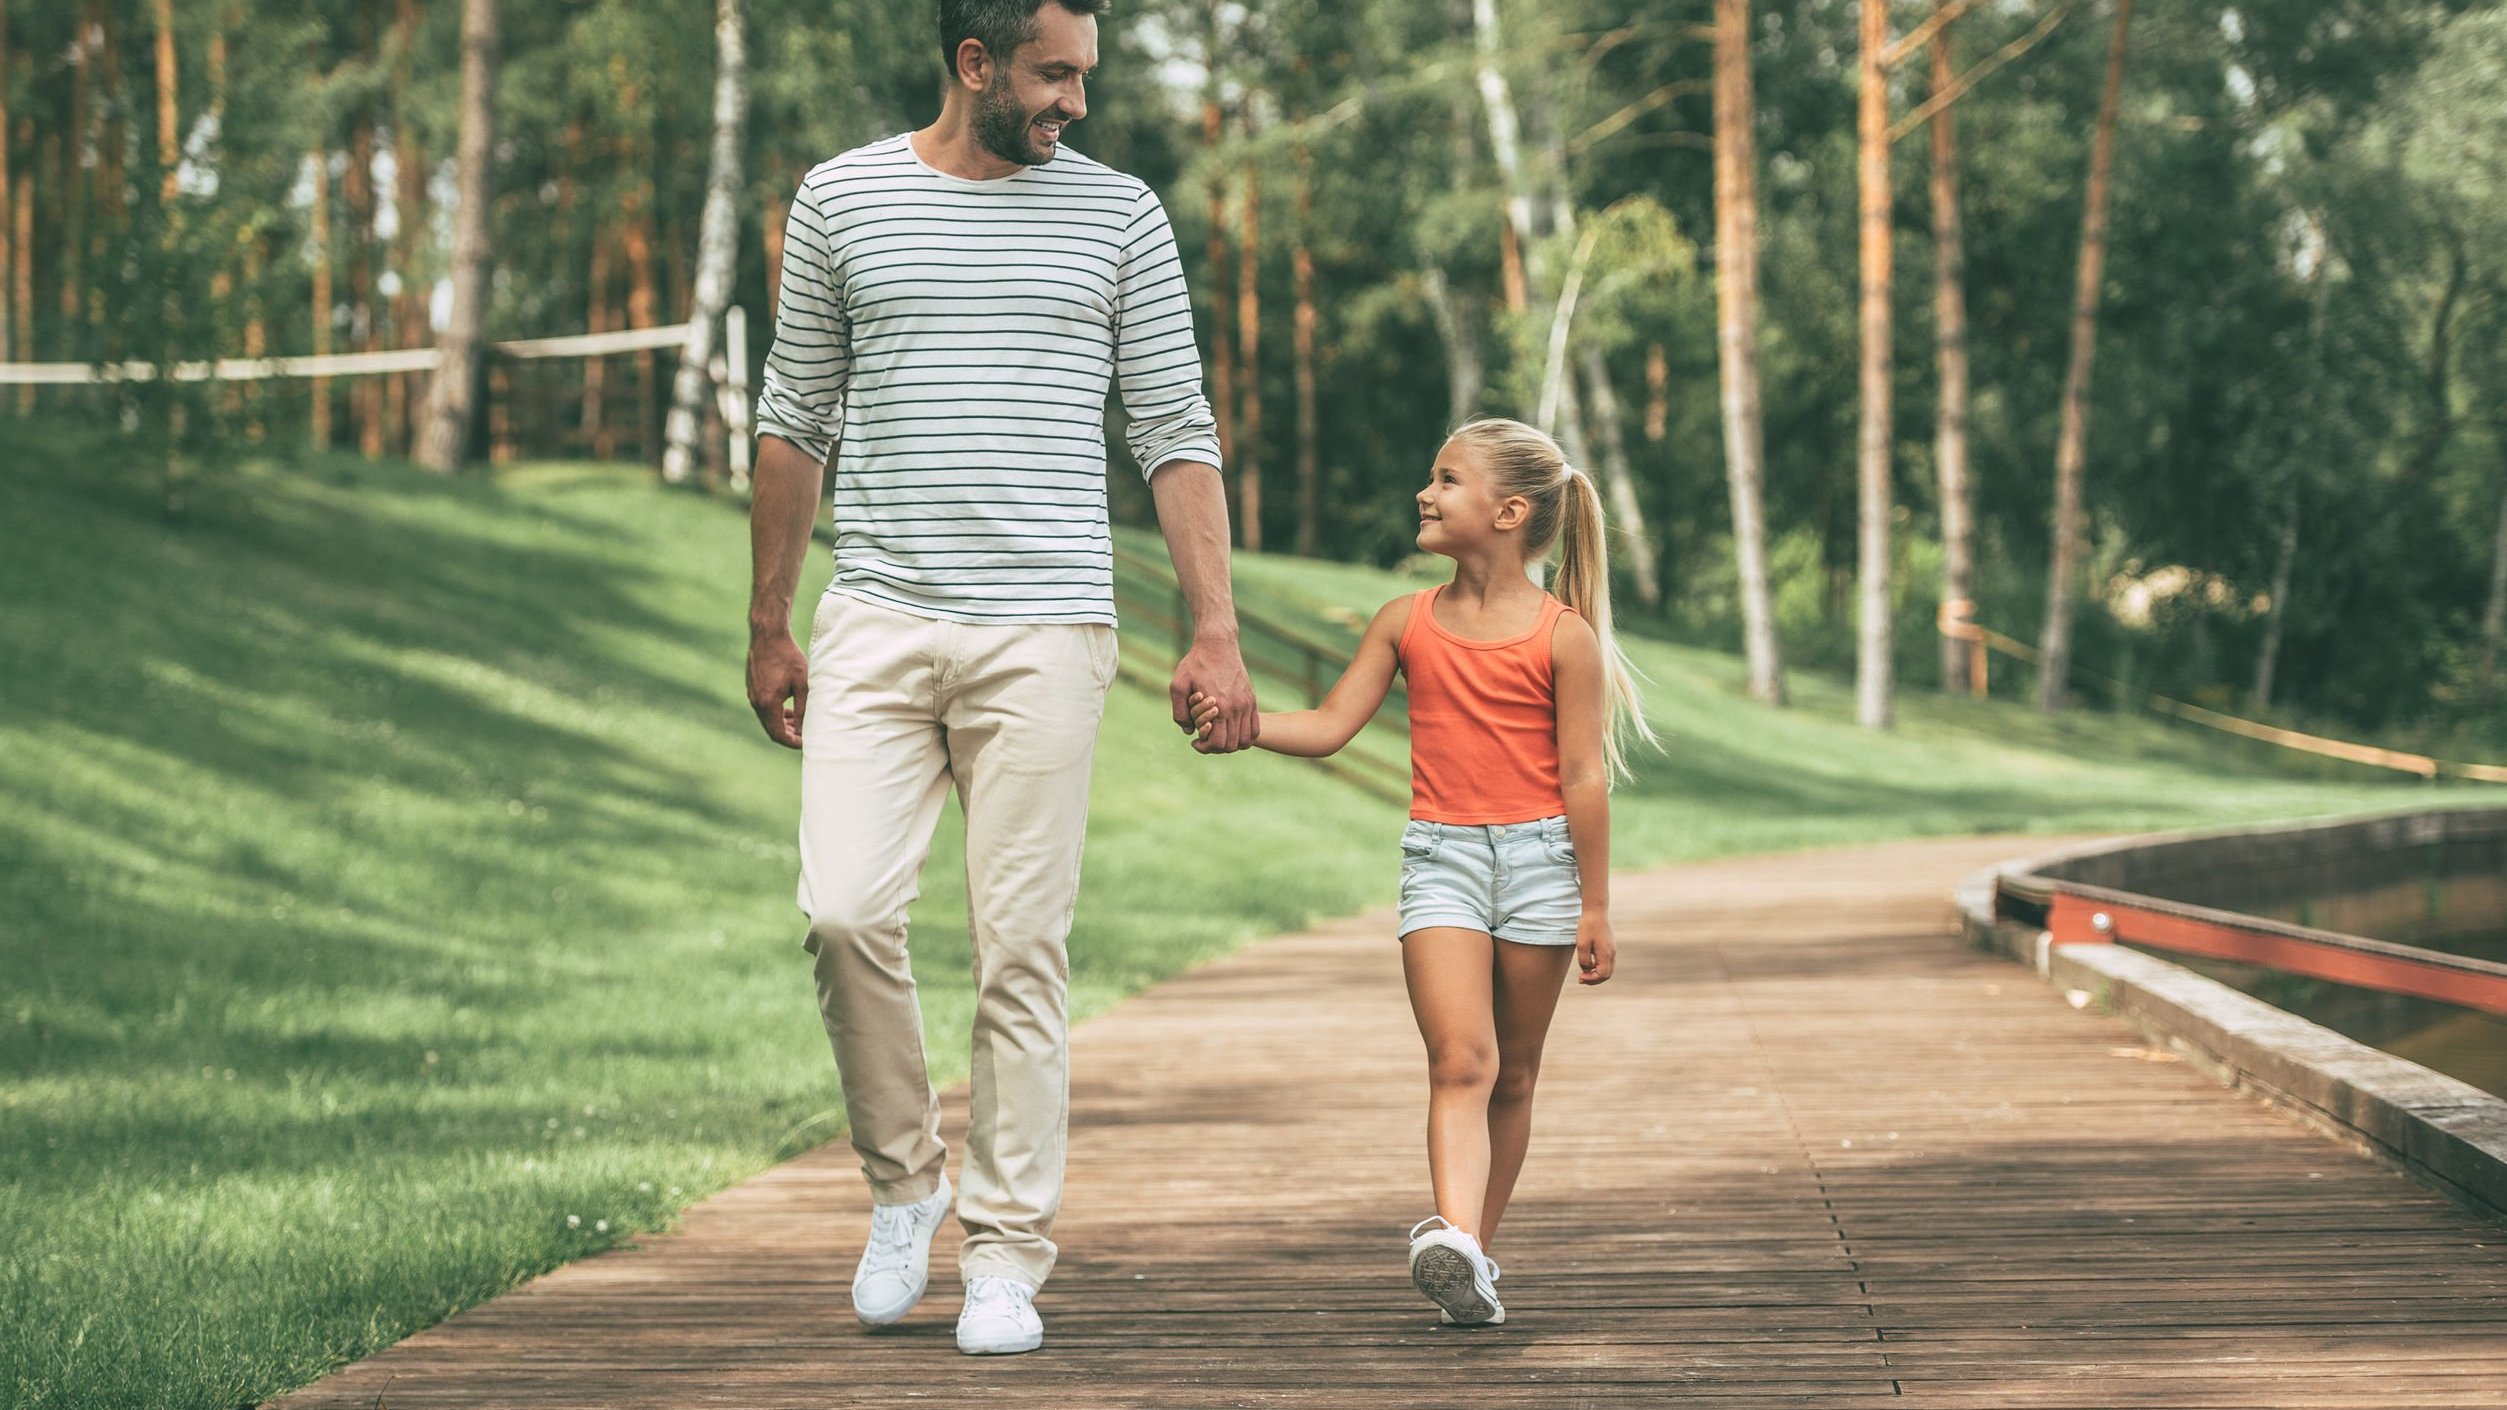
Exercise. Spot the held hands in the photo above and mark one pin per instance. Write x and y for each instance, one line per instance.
(1215, 673)
(1206, 722)
(779, 685)
(1597, 954)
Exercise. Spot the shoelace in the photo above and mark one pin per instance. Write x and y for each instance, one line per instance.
(891, 1237)
(994, 1296)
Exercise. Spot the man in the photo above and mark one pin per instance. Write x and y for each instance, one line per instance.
(955, 303)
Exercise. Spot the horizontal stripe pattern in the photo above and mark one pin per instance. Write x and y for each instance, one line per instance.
(952, 343)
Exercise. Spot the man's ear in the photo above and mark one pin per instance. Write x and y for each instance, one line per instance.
(974, 65)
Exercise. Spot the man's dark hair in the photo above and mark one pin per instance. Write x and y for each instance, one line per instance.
(999, 25)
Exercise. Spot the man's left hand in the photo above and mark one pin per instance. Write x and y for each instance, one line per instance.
(1215, 670)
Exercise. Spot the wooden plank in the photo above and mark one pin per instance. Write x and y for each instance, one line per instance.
(1807, 1150)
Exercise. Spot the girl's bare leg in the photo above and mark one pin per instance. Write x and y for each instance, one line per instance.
(1450, 972)
(1526, 982)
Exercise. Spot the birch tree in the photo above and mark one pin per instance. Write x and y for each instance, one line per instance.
(1736, 344)
(717, 243)
(452, 401)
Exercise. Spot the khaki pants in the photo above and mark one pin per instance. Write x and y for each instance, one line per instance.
(900, 708)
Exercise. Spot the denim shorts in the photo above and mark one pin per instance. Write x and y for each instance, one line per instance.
(1516, 881)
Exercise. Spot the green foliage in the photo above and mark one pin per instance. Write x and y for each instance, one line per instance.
(2296, 184)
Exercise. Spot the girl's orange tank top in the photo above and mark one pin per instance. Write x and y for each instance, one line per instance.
(1483, 720)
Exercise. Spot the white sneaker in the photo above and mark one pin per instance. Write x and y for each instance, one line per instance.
(1447, 1265)
(1000, 1318)
(896, 1264)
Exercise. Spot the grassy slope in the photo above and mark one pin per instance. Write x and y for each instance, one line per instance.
(393, 888)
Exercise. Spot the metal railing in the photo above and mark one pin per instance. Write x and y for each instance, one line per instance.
(2075, 913)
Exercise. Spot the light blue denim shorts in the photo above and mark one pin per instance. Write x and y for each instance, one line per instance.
(1516, 881)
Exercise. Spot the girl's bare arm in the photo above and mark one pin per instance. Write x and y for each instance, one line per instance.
(1353, 699)
(1584, 783)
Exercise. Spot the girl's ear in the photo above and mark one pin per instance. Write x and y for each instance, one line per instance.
(1512, 511)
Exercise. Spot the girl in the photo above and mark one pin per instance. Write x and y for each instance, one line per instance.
(1520, 704)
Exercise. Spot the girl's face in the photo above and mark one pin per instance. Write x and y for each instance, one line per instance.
(1460, 509)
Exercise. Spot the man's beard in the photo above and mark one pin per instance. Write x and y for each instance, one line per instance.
(1005, 131)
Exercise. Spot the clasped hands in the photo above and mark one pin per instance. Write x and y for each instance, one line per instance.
(1213, 700)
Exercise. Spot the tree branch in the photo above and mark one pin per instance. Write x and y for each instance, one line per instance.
(1609, 126)
(1921, 34)
(1982, 71)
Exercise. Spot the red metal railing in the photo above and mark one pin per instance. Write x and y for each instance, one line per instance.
(2077, 914)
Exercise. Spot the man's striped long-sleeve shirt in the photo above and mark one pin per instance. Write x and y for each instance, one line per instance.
(952, 342)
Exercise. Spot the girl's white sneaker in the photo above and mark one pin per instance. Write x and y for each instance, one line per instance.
(1447, 1266)
(896, 1262)
(1000, 1318)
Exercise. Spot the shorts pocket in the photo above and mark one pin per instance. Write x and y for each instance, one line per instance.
(1419, 841)
(1559, 844)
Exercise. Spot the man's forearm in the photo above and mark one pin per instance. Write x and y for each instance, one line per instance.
(1192, 513)
(783, 504)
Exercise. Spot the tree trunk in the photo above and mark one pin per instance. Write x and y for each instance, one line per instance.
(717, 244)
(10, 200)
(778, 214)
(365, 393)
(596, 369)
(1506, 143)
(1619, 477)
(2072, 443)
(643, 298)
(452, 393)
(1510, 269)
(1736, 339)
(1249, 361)
(1958, 526)
(2277, 615)
(319, 236)
(409, 316)
(1466, 371)
(1657, 394)
(1457, 323)
(1301, 268)
(1222, 335)
(2440, 381)
(2494, 616)
(77, 187)
(256, 334)
(22, 262)
(1875, 685)
(169, 107)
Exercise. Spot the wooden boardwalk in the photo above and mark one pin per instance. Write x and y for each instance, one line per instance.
(1806, 1150)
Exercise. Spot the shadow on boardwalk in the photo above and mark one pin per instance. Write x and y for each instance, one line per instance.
(1806, 1150)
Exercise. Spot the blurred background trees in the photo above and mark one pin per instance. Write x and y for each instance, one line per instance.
(2293, 453)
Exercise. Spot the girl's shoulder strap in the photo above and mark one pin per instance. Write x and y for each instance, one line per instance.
(1421, 603)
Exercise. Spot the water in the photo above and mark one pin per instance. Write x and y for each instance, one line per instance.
(2467, 1044)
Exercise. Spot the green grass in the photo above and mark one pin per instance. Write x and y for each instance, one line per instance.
(394, 888)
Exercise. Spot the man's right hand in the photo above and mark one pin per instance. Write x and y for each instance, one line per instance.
(779, 686)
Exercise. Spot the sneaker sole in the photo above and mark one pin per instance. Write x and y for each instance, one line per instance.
(1446, 1277)
(1005, 1350)
(890, 1319)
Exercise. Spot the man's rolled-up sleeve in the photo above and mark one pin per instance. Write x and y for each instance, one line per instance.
(801, 395)
(1157, 363)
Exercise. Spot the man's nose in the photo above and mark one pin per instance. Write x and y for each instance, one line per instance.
(1075, 101)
